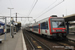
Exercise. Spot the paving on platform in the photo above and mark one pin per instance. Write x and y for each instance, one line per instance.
(16, 43)
(71, 36)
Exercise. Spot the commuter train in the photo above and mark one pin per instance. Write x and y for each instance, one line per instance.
(1, 28)
(53, 27)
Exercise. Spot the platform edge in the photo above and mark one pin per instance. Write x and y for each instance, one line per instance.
(24, 44)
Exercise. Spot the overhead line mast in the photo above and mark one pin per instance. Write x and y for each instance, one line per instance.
(16, 17)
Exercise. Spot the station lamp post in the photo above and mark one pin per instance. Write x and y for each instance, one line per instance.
(10, 18)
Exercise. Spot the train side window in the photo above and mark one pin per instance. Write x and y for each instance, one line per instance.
(46, 24)
(43, 24)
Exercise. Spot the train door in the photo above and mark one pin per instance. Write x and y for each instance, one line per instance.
(47, 28)
(39, 29)
(43, 28)
(1, 29)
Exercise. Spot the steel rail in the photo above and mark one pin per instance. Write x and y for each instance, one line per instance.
(71, 40)
(30, 42)
(67, 44)
(39, 41)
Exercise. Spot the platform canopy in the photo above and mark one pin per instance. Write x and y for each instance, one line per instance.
(70, 17)
(72, 23)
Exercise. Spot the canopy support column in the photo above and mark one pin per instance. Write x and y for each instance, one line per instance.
(67, 27)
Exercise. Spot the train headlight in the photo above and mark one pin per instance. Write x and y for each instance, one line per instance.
(63, 30)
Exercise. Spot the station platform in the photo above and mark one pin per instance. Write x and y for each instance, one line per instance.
(16, 43)
(71, 36)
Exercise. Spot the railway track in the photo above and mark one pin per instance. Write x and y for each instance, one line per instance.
(35, 44)
(71, 40)
(52, 44)
(68, 44)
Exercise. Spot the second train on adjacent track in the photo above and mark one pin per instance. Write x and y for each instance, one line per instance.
(53, 27)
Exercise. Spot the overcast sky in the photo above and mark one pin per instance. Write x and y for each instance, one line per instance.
(23, 8)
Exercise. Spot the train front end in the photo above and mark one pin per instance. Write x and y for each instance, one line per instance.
(57, 27)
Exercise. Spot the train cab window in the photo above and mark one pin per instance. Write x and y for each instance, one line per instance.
(58, 24)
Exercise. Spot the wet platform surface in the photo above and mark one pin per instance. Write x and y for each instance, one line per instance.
(10, 43)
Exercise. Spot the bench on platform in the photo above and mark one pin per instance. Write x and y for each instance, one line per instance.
(1, 40)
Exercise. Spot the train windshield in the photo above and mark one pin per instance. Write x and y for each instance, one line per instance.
(58, 23)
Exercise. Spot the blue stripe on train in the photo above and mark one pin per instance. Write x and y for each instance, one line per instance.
(1, 31)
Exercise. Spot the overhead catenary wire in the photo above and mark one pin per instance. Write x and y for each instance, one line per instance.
(46, 8)
(49, 9)
(32, 8)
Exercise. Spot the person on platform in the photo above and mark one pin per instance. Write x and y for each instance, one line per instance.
(12, 26)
